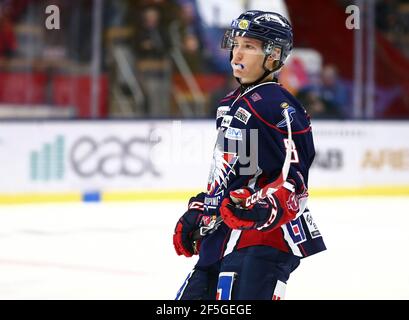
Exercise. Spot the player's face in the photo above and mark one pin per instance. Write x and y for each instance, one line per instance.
(248, 58)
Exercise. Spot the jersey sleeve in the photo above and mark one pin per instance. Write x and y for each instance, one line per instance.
(271, 142)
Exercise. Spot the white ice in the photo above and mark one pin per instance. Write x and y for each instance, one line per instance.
(125, 251)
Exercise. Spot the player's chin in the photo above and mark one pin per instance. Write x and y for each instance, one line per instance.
(238, 73)
(244, 80)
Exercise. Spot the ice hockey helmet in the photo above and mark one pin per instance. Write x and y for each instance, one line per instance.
(271, 28)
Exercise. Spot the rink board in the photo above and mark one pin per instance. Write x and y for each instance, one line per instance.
(170, 159)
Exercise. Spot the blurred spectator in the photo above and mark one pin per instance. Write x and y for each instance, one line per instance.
(333, 91)
(79, 42)
(115, 13)
(192, 53)
(386, 14)
(403, 10)
(189, 36)
(328, 99)
(315, 106)
(153, 62)
(392, 19)
(7, 38)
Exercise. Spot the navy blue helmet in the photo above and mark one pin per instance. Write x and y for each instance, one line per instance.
(271, 28)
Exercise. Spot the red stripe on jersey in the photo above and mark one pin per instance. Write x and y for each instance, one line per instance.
(272, 125)
(228, 98)
(302, 250)
(274, 238)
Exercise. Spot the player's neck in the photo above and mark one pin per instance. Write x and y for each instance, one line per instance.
(244, 87)
(269, 78)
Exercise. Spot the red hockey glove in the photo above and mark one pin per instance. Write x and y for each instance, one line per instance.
(187, 224)
(267, 214)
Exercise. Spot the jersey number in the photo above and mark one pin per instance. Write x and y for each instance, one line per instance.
(293, 149)
(225, 285)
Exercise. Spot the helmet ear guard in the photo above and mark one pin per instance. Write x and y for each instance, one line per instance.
(268, 48)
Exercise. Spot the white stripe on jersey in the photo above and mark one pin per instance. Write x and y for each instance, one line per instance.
(290, 242)
(252, 182)
(303, 205)
(234, 237)
(279, 291)
(196, 205)
(184, 285)
(289, 186)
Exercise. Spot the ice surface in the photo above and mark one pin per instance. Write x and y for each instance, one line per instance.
(124, 251)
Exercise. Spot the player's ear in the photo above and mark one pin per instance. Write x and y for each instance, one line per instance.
(275, 55)
(271, 63)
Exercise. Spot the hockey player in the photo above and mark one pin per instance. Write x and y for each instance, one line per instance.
(252, 253)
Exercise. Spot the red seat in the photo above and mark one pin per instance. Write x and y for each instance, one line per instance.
(22, 88)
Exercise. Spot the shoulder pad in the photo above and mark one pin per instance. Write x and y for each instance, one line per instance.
(268, 102)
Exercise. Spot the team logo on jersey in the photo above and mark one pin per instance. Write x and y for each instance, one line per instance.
(221, 168)
(291, 110)
(311, 225)
(226, 121)
(243, 115)
(296, 231)
(221, 111)
(234, 134)
(292, 202)
(255, 97)
(207, 220)
(284, 105)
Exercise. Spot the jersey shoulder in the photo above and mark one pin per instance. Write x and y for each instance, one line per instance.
(230, 96)
(268, 101)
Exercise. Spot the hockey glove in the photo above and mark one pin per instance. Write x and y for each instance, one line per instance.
(187, 224)
(268, 214)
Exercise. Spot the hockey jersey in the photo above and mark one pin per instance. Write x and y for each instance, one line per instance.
(250, 150)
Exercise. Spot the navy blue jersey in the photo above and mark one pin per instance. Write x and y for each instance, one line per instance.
(250, 151)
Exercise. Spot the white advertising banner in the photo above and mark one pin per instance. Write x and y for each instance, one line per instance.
(104, 156)
(360, 154)
(116, 156)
